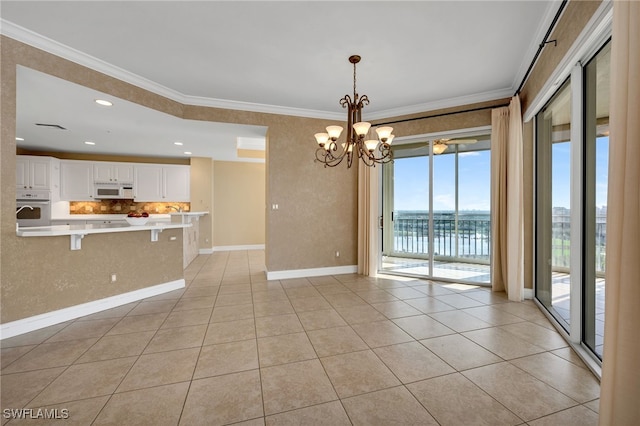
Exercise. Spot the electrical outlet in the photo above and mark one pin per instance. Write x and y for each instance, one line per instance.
(337, 254)
(114, 278)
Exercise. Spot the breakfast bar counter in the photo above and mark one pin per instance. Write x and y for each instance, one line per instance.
(79, 231)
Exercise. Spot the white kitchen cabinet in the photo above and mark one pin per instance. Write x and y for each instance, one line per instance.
(35, 172)
(155, 182)
(112, 172)
(76, 180)
(177, 183)
(147, 182)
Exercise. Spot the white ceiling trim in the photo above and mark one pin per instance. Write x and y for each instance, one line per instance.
(441, 104)
(256, 144)
(36, 40)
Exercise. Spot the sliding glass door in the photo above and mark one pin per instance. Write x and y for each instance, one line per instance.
(553, 206)
(571, 154)
(437, 210)
(596, 172)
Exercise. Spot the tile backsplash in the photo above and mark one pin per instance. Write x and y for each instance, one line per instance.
(123, 207)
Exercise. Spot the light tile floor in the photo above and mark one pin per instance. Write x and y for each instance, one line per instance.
(234, 348)
(478, 273)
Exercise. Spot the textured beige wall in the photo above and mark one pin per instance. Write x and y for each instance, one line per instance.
(41, 274)
(574, 18)
(238, 203)
(202, 198)
(317, 214)
(318, 206)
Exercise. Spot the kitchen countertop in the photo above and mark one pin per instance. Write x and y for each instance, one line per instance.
(106, 217)
(77, 232)
(188, 213)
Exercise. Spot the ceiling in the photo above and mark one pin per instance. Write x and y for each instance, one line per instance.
(287, 57)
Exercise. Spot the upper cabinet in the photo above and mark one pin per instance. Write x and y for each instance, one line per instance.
(147, 182)
(177, 183)
(76, 180)
(155, 182)
(113, 172)
(34, 172)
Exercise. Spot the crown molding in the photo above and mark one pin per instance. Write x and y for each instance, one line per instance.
(442, 104)
(46, 44)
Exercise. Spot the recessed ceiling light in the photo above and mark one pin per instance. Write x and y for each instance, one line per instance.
(103, 102)
(89, 143)
(19, 139)
(178, 143)
(187, 153)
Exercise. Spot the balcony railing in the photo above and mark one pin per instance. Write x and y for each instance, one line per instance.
(464, 238)
(469, 238)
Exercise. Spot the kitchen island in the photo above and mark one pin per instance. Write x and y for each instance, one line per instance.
(77, 232)
(105, 265)
(190, 236)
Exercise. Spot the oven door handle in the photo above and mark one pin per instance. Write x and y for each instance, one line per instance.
(34, 202)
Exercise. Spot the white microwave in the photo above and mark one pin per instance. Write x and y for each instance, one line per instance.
(113, 190)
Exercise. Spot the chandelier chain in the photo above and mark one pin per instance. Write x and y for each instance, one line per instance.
(354, 82)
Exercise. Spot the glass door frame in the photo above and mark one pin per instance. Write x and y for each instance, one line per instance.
(387, 191)
(576, 333)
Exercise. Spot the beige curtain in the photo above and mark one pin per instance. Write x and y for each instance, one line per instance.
(620, 387)
(507, 211)
(368, 195)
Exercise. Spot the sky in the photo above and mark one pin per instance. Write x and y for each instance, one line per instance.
(561, 173)
(411, 180)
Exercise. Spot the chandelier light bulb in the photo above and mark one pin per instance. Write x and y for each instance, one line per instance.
(384, 133)
(322, 138)
(389, 139)
(371, 144)
(334, 132)
(361, 128)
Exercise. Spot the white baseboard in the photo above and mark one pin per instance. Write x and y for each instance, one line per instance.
(235, 248)
(313, 272)
(25, 325)
(528, 293)
(205, 250)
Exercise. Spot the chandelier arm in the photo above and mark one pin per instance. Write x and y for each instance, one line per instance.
(354, 145)
(346, 102)
(323, 156)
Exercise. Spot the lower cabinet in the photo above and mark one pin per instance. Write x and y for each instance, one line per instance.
(190, 241)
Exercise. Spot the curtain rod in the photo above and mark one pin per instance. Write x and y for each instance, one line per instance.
(441, 114)
(545, 41)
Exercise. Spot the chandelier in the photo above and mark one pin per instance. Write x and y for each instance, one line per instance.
(359, 141)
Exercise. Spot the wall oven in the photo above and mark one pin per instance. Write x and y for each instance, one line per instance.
(33, 208)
